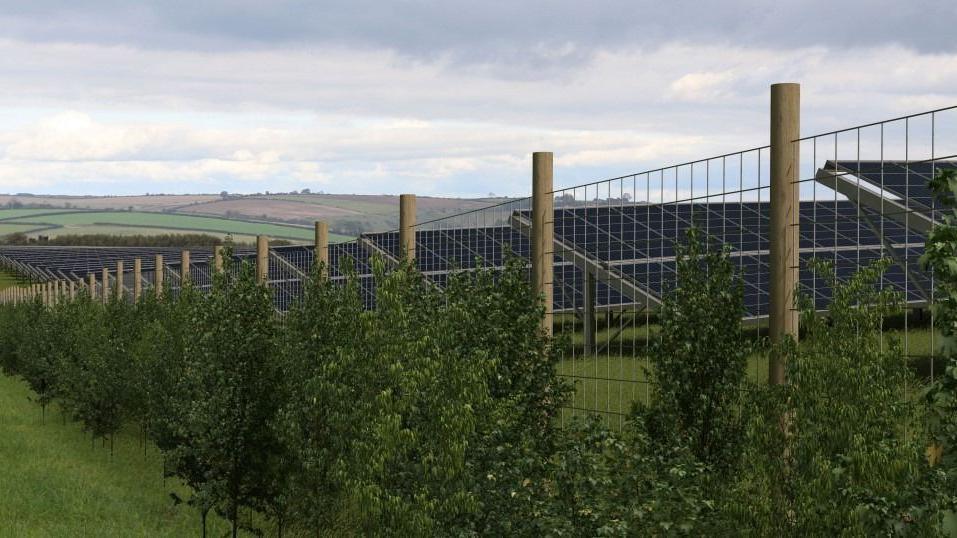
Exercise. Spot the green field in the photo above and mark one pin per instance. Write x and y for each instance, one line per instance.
(133, 222)
(6, 214)
(26, 228)
(54, 482)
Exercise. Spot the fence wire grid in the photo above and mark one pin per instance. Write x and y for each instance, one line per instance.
(863, 197)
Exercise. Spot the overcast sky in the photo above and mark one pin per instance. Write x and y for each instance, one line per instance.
(442, 97)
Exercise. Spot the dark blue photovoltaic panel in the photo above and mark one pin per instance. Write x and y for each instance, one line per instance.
(905, 179)
(633, 242)
(650, 231)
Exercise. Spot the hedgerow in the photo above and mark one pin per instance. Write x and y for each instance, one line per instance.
(434, 414)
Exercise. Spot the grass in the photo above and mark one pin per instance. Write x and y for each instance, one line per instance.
(7, 228)
(608, 381)
(8, 280)
(6, 214)
(54, 483)
(78, 222)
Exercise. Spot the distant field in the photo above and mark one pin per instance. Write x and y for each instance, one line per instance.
(124, 223)
(6, 214)
(346, 213)
(342, 212)
(138, 203)
(27, 228)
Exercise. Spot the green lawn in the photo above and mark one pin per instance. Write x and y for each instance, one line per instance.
(54, 483)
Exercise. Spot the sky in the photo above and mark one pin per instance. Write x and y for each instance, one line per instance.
(435, 97)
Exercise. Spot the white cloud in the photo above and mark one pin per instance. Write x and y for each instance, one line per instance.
(97, 118)
(702, 87)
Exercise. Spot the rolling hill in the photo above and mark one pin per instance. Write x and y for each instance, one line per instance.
(281, 216)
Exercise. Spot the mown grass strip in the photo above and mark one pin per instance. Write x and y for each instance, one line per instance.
(54, 482)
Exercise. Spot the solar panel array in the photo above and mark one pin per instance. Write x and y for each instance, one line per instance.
(633, 242)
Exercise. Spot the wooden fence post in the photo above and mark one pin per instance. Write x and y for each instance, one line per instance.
(106, 285)
(72, 289)
(407, 226)
(262, 259)
(91, 282)
(783, 233)
(184, 268)
(137, 279)
(543, 231)
(321, 251)
(218, 259)
(158, 276)
(120, 295)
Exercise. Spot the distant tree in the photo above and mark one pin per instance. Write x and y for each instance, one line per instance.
(305, 191)
(224, 195)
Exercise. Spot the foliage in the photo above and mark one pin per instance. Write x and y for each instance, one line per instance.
(394, 407)
(237, 391)
(940, 255)
(840, 448)
(435, 413)
(36, 347)
(699, 362)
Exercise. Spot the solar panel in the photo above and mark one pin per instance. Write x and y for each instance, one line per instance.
(905, 180)
(633, 243)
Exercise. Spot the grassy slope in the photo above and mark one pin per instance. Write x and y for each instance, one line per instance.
(54, 483)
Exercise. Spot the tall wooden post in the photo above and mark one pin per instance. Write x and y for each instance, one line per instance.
(218, 259)
(783, 232)
(262, 258)
(91, 282)
(120, 295)
(106, 285)
(321, 251)
(407, 226)
(72, 289)
(543, 231)
(137, 279)
(158, 276)
(184, 267)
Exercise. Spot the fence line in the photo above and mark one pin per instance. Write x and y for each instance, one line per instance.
(850, 196)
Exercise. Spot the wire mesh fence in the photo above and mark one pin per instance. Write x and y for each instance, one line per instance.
(863, 197)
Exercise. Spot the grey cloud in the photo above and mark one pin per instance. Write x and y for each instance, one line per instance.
(492, 32)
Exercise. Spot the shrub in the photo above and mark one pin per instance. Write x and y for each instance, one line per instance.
(698, 365)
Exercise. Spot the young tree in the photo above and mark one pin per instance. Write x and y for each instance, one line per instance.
(235, 377)
(698, 365)
(848, 456)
